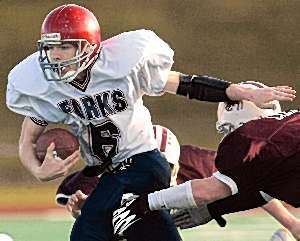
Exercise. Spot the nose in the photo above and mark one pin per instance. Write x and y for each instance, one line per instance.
(55, 54)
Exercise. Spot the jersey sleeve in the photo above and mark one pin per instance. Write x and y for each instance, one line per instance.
(236, 203)
(195, 162)
(22, 104)
(72, 183)
(232, 151)
(153, 69)
(30, 96)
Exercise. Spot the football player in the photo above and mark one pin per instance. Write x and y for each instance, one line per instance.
(75, 188)
(256, 161)
(96, 87)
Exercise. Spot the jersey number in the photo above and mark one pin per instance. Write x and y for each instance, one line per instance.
(104, 140)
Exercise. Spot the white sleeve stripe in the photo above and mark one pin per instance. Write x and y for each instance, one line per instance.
(266, 196)
(228, 181)
(61, 196)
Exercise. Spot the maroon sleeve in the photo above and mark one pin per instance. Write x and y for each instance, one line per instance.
(232, 151)
(72, 183)
(235, 203)
(195, 162)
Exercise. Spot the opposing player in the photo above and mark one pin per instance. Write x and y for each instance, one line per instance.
(256, 160)
(97, 88)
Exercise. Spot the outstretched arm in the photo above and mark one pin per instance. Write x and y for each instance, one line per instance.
(207, 88)
(75, 203)
(246, 201)
(276, 209)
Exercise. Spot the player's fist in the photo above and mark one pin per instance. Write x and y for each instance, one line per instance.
(76, 202)
(54, 167)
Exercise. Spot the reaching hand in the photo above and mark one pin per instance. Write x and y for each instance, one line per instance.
(76, 202)
(54, 167)
(262, 97)
(193, 217)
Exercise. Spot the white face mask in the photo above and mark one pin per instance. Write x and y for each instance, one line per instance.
(53, 71)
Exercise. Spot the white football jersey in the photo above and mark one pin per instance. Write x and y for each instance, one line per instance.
(106, 112)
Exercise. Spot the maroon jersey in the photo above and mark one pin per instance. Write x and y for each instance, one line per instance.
(195, 162)
(264, 155)
(72, 183)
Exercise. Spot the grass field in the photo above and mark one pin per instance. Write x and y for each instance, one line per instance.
(240, 227)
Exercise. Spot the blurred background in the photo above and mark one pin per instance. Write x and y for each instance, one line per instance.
(231, 39)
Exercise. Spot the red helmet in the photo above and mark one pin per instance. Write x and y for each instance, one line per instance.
(69, 24)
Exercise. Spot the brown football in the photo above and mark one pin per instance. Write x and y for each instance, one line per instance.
(65, 143)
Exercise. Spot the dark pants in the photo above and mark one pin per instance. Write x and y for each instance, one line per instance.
(149, 172)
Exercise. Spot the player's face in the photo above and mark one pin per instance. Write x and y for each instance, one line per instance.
(62, 52)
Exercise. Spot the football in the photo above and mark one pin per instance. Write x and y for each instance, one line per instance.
(5, 237)
(65, 143)
(282, 235)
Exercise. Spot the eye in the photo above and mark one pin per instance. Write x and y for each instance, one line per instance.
(65, 47)
(47, 47)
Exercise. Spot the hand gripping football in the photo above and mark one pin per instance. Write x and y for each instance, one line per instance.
(65, 143)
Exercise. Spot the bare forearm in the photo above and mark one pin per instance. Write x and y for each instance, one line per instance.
(280, 213)
(29, 134)
(237, 92)
(28, 157)
(173, 82)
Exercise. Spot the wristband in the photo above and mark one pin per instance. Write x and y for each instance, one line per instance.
(203, 88)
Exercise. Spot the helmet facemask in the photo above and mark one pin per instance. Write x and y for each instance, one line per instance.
(55, 70)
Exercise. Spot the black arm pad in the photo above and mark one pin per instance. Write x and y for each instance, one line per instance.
(236, 203)
(203, 88)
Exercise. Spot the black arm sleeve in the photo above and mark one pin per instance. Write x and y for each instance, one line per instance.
(203, 88)
(236, 203)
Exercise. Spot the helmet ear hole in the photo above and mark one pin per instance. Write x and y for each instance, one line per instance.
(88, 48)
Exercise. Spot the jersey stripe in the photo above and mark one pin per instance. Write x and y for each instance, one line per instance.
(39, 122)
(154, 129)
(163, 140)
